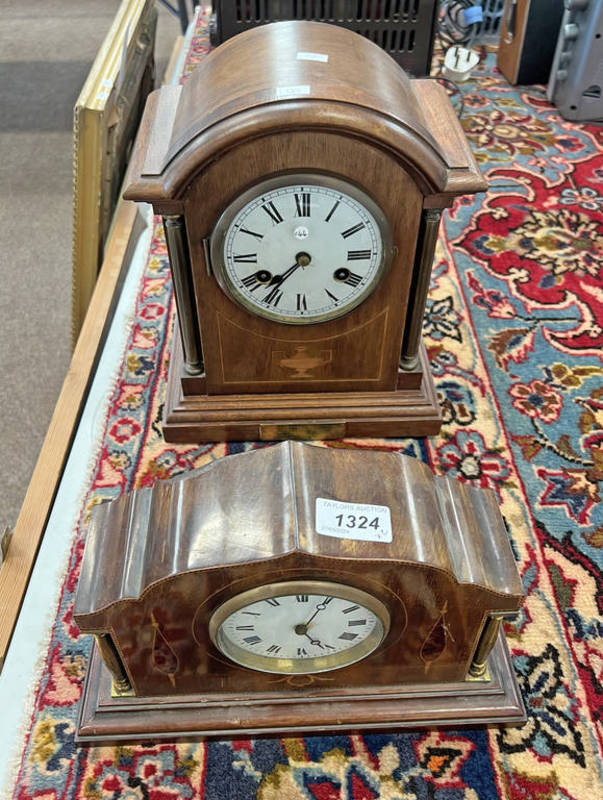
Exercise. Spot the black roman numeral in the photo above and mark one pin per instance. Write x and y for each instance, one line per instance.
(273, 297)
(251, 282)
(302, 203)
(348, 636)
(251, 613)
(356, 622)
(331, 212)
(252, 233)
(301, 652)
(350, 608)
(246, 258)
(301, 302)
(354, 229)
(353, 279)
(254, 639)
(244, 627)
(274, 648)
(332, 296)
(301, 598)
(358, 255)
(272, 212)
(272, 601)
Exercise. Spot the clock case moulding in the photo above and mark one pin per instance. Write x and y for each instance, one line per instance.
(290, 98)
(190, 544)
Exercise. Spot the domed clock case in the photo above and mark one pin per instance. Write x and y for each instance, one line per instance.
(301, 177)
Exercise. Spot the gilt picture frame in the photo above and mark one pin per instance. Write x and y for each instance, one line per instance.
(106, 117)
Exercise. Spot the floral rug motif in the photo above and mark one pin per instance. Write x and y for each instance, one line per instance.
(514, 330)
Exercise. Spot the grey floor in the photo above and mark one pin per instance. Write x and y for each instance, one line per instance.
(46, 51)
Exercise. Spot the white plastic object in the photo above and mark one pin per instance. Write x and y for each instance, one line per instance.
(458, 63)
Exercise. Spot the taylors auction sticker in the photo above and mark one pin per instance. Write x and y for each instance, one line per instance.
(353, 520)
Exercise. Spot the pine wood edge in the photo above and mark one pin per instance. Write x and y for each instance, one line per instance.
(33, 517)
(44, 483)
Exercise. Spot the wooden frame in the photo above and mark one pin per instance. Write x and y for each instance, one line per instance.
(106, 117)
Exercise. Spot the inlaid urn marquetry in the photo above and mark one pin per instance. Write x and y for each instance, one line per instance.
(301, 177)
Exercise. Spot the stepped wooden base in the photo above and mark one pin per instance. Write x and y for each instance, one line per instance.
(188, 417)
(105, 717)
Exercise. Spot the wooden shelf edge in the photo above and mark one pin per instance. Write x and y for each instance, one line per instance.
(47, 473)
(43, 486)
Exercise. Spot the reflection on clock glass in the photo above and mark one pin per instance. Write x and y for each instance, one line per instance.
(299, 627)
(303, 252)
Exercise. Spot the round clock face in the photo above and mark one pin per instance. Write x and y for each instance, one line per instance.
(299, 627)
(301, 248)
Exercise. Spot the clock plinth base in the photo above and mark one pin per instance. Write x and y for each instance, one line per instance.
(286, 710)
(189, 417)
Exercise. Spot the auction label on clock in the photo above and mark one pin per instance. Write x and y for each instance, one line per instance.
(283, 92)
(312, 56)
(360, 521)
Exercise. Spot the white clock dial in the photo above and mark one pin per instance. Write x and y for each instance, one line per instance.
(299, 627)
(300, 249)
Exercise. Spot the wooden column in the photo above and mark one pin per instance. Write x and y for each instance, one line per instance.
(428, 237)
(484, 646)
(175, 236)
(113, 662)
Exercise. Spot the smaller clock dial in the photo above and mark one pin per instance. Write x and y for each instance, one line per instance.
(300, 251)
(300, 627)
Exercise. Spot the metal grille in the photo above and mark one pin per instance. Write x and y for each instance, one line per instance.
(488, 29)
(403, 28)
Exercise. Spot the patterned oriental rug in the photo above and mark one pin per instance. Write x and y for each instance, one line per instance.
(514, 329)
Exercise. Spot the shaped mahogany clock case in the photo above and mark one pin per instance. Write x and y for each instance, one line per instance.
(189, 545)
(297, 98)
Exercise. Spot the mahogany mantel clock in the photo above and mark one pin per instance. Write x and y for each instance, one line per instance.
(301, 177)
(297, 588)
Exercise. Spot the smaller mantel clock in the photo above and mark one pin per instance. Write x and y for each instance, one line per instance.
(335, 588)
(301, 177)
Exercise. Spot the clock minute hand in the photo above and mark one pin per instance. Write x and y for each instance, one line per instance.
(278, 279)
(320, 607)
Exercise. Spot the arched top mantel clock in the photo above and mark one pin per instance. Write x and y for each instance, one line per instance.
(301, 177)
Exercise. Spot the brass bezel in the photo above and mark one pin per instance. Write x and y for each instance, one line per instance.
(301, 666)
(222, 226)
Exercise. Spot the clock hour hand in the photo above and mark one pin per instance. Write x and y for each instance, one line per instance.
(301, 260)
(318, 643)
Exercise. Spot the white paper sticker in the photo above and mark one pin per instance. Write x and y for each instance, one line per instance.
(291, 91)
(312, 57)
(360, 521)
